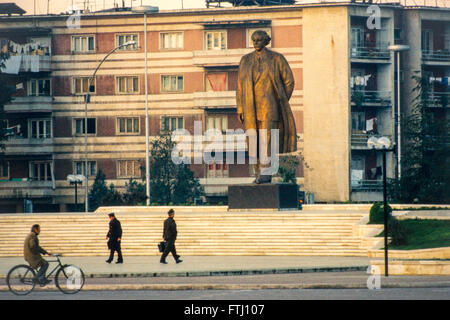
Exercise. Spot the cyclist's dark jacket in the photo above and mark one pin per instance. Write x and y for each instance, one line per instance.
(32, 251)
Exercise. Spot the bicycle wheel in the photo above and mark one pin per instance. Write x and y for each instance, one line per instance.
(69, 279)
(20, 280)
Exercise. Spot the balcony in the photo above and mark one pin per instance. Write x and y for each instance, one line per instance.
(219, 58)
(219, 186)
(228, 144)
(371, 51)
(32, 63)
(215, 99)
(30, 104)
(436, 57)
(367, 185)
(31, 56)
(359, 140)
(27, 63)
(28, 146)
(366, 190)
(371, 98)
(439, 100)
(24, 188)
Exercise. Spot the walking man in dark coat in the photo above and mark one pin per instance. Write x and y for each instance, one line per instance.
(170, 235)
(114, 237)
(32, 253)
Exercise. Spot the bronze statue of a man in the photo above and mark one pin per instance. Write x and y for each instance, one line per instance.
(265, 86)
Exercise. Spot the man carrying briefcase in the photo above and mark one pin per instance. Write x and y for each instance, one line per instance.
(170, 235)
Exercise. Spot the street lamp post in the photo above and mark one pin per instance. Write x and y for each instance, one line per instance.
(76, 179)
(397, 49)
(383, 144)
(145, 10)
(86, 101)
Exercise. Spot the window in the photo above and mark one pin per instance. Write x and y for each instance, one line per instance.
(171, 83)
(358, 162)
(358, 121)
(41, 128)
(447, 38)
(357, 170)
(398, 35)
(128, 168)
(39, 87)
(357, 37)
(3, 124)
(80, 85)
(124, 38)
(219, 122)
(171, 123)
(128, 125)
(127, 84)
(427, 40)
(250, 32)
(215, 40)
(171, 40)
(83, 44)
(79, 125)
(40, 170)
(218, 170)
(4, 170)
(79, 168)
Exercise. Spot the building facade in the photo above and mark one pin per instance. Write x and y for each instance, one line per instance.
(344, 92)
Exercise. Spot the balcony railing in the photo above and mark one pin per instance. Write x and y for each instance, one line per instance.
(215, 99)
(362, 97)
(377, 50)
(436, 55)
(30, 104)
(219, 58)
(26, 63)
(26, 189)
(367, 185)
(359, 140)
(439, 100)
(28, 146)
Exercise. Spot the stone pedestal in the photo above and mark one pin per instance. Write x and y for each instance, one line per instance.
(263, 196)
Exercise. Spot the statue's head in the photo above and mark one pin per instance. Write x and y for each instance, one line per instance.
(260, 39)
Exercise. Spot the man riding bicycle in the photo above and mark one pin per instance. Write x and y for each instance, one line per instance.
(32, 254)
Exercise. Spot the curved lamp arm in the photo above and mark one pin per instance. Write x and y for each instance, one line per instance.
(86, 98)
(103, 60)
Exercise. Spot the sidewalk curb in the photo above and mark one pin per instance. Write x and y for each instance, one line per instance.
(226, 273)
(219, 272)
(175, 287)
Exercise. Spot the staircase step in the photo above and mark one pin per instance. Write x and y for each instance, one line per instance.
(199, 233)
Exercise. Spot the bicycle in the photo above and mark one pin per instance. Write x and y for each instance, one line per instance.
(69, 279)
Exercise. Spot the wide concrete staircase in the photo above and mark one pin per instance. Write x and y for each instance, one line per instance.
(206, 233)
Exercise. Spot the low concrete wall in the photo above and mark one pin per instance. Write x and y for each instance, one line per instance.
(337, 207)
(419, 267)
(418, 206)
(434, 253)
(366, 196)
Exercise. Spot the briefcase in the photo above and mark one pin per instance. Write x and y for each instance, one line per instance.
(162, 246)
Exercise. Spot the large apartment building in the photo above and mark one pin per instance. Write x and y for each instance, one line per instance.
(344, 92)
